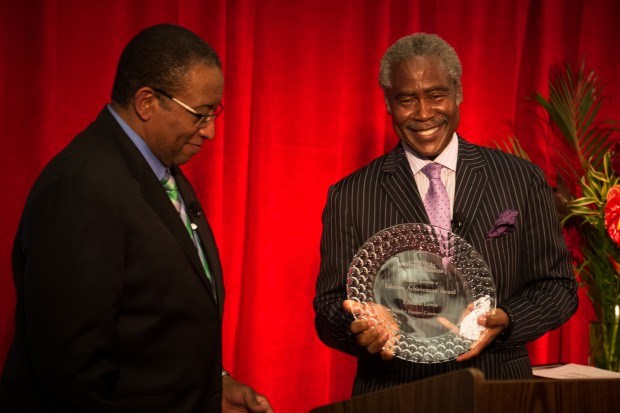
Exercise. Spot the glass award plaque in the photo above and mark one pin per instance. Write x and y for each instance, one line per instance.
(427, 285)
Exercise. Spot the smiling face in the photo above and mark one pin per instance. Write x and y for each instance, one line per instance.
(422, 100)
(171, 133)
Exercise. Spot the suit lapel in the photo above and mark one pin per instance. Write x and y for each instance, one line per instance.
(400, 186)
(471, 179)
(156, 197)
(153, 193)
(206, 239)
(213, 260)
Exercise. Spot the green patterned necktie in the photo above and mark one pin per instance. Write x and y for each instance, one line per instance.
(173, 193)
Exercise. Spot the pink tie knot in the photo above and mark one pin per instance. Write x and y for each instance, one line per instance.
(432, 170)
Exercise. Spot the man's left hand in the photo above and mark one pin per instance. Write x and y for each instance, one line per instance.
(494, 322)
(237, 397)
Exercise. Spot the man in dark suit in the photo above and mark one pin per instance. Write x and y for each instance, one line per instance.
(118, 278)
(499, 204)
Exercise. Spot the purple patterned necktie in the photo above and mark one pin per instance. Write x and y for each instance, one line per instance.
(436, 201)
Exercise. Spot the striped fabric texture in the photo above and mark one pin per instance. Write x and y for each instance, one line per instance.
(531, 266)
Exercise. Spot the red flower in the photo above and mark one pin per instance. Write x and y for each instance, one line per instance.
(614, 192)
(612, 213)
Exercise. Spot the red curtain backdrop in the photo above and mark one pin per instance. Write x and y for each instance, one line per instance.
(303, 109)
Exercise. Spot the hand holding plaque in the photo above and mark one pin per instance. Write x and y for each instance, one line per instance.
(375, 327)
(427, 278)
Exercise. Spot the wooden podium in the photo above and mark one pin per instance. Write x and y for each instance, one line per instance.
(466, 391)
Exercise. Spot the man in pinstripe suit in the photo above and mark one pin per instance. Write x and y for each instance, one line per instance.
(536, 291)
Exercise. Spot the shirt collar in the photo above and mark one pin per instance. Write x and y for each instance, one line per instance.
(447, 157)
(159, 169)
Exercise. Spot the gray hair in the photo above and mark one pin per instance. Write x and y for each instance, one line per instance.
(421, 44)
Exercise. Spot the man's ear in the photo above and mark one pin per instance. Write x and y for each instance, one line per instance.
(387, 103)
(144, 102)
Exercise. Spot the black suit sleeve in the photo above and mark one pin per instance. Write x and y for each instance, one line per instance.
(72, 239)
(550, 294)
(337, 244)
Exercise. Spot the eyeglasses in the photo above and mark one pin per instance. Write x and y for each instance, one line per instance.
(203, 118)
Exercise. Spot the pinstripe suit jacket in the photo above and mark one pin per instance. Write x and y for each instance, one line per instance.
(531, 266)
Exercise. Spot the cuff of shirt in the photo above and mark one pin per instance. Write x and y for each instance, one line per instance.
(505, 334)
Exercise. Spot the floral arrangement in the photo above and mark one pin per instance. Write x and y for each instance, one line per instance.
(597, 216)
(588, 199)
(591, 163)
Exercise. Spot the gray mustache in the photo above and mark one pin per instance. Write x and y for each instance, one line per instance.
(430, 124)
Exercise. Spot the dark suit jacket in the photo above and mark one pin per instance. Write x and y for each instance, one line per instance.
(114, 312)
(531, 266)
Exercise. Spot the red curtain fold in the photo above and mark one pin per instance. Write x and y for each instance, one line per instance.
(303, 109)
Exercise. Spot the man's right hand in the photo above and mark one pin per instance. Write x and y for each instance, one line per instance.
(374, 326)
